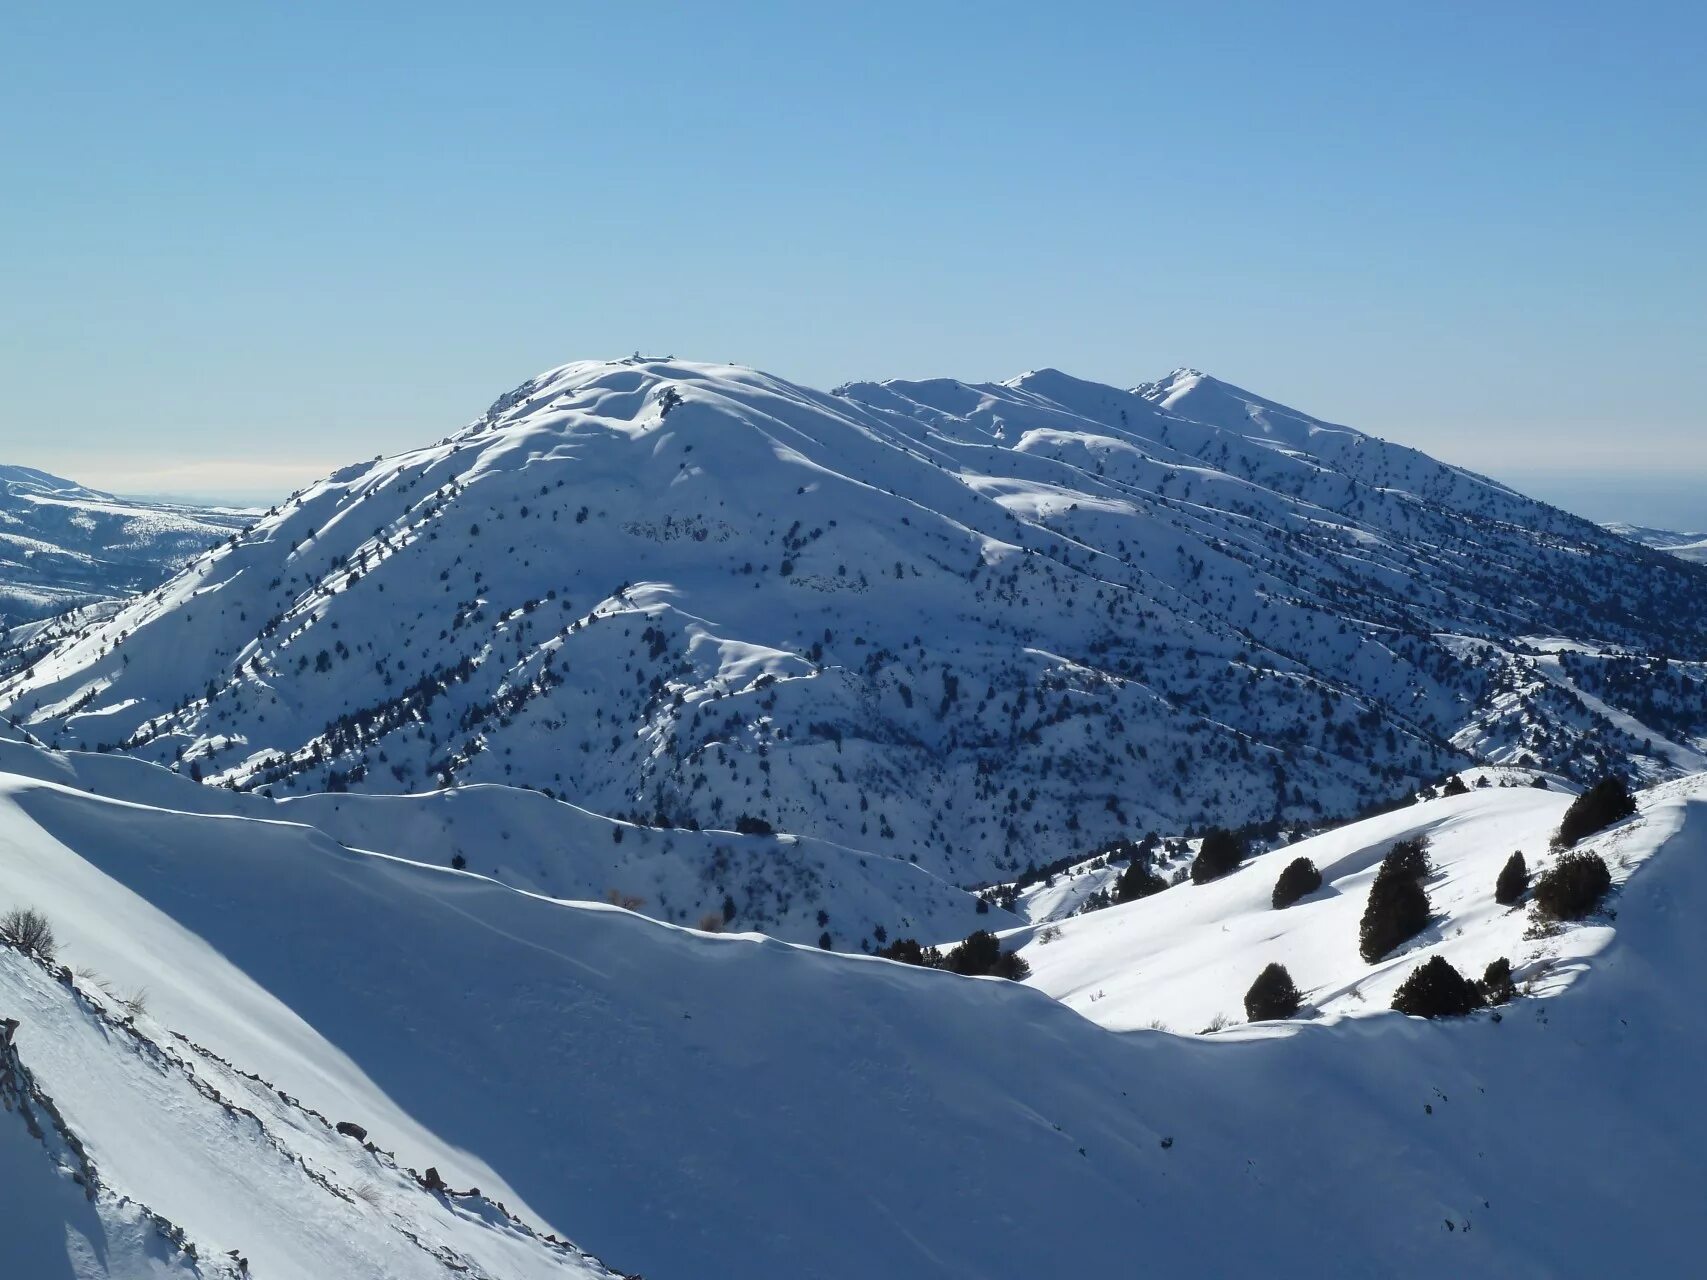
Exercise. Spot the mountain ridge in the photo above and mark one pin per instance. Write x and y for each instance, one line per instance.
(1023, 618)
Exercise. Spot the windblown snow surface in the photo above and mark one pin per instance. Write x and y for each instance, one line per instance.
(688, 1105)
(64, 546)
(964, 627)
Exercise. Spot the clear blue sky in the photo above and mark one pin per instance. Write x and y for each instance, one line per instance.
(240, 244)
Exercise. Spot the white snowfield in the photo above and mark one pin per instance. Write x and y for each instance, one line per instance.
(967, 626)
(687, 1105)
(1184, 958)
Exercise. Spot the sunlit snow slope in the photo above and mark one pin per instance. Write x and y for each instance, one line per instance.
(1185, 957)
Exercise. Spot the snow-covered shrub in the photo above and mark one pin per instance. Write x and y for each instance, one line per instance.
(1436, 990)
(1221, 852)
(1398, 904)
(1513, 880)
(1606, 802)
(1570, 888)
(29, 931)
(1299, 880)
(1272, 996)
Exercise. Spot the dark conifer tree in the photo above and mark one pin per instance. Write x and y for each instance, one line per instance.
(1570, 888)
(1513, 881)
(1608, 801)
(1272, 996)
(1436, 990)
(1298, 880)
(1398, 904)
(1221, 852)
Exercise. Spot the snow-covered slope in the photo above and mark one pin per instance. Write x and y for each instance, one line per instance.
(975, 626)
(798, 888)
(60, 1221)
(1185, 957)
(688, 1105)
(63, 546)
(1687, 546)
(171, 1133)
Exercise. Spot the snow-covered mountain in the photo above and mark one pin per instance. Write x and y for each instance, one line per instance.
(1687, 546)
(227, 989)
(967, 626)
(63, 546)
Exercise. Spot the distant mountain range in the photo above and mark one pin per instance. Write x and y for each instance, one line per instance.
(1688, 546)
(968, 627)
(64, 546)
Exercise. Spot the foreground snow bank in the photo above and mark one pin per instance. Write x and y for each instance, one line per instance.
(688, 1105)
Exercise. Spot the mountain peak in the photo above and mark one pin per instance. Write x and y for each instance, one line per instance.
(695, 597)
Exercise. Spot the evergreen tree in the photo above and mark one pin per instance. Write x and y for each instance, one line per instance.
(1497, 986)
(1513, 881)
(1137, 881)
(1436, 990)
(1298, 880)
(1606, 802)
(1221, 852)
(1272, 996)
(1570, 888)
(1398, 904)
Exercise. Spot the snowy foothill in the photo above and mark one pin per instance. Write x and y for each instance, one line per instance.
(683, 1104)
(1686, 546)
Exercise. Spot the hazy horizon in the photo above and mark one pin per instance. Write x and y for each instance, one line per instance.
(238, 242)
(1655, 499)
